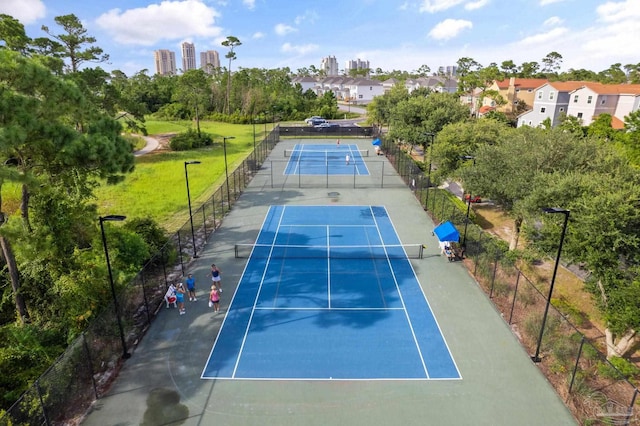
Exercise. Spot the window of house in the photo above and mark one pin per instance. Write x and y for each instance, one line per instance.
(542, 110)
(540, 94)
(589, 99)
(579, 115)
(575, 99)
(603, 100)
(561, 109)
(529, 90)
(530, 122)
(552, 95)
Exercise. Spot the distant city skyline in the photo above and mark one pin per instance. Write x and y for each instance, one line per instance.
(589, 34)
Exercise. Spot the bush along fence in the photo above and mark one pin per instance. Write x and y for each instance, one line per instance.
(596, 390)
(85, 371)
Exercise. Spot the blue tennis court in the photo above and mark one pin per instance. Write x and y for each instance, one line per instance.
(326, 159)
(329, 292)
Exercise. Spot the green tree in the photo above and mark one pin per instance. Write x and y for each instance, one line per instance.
(231, 42)
(74, 39)
(415, 116)
(468, 78)
(193, 91)
(551, 64)
(12, 35)
(39, 137)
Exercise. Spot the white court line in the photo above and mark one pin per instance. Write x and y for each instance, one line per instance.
(395, 280)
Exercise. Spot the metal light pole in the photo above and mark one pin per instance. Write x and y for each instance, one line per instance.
(186, 176)
(536, 357)
(433, 138)
(226, 169)
(466, 222)
(125, 352)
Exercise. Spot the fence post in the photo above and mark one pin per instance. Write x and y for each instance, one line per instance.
(44, 410)
(144, 297)
(478, 247)
(180, 251)
(90, 362)
(575, 368)
(204, 221)
(493, 278)
(630, 409)
(515, 294)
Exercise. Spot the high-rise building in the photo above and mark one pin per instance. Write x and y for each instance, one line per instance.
(165, 62)
(329, 65)
(188, 56)
(357, 65)
(209, 60)
(449, 70)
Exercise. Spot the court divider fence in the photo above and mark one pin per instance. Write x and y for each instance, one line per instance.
(593, 388)
(89, 365)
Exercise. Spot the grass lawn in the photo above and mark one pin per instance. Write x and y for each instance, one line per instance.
(157, 186)
(569, 287)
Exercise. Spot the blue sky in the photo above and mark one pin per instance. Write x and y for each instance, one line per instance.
(401, 35)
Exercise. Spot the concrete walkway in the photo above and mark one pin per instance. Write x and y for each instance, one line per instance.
(151, 145)
(500, 385)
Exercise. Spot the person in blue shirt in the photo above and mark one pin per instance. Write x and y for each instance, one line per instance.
(191, 287)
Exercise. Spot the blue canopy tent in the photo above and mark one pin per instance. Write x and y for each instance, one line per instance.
(447, 233)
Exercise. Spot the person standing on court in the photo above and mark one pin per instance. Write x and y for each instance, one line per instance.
(347, 159)
(216, 277)
(180, 296)
(191, 287)
(214, 299)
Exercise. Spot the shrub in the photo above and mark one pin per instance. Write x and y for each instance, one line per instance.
(189, 140)
(617, 367)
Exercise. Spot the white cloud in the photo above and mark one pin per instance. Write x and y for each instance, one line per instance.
(309, 16)
(257, 35)
(169, 20)
(25, 11)
(250, 4)
(433, 6)
(546, 2)
(476, 4)
(618, 37)
(551, 35)
(284, 29)
(298, 49)
(449, 28)
(553, 21)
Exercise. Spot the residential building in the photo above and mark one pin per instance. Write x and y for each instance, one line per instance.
(165, 62)
(583, 100)
(209, 61)
(593, 99)
(435, 83)
(513, 91)
(188, 56)
(329, 65)
(551, 100)
(356, 90)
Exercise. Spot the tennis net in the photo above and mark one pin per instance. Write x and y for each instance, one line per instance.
(315, 155)
(397, 251)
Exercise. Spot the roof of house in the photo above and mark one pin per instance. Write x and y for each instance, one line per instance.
(616, 123)
(522, 83)
(485, 109)
(611, 89)
(567, 86)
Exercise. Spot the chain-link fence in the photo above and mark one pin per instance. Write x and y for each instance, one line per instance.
(595, 390)
(87, 368)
